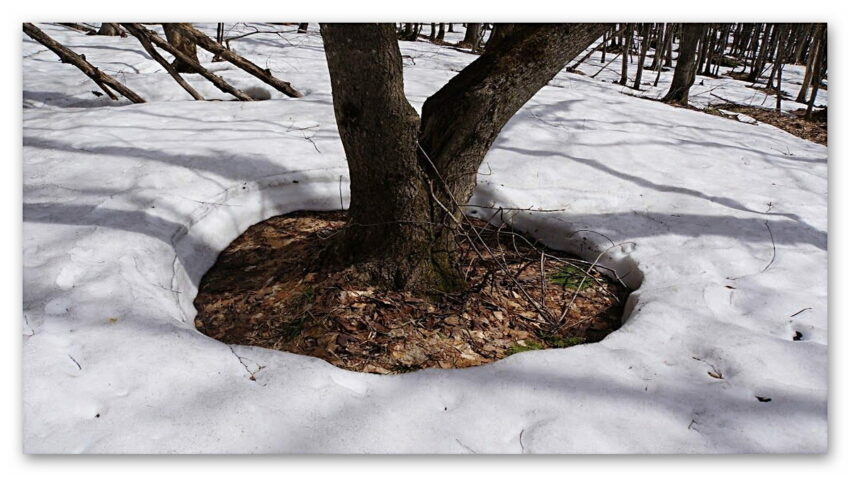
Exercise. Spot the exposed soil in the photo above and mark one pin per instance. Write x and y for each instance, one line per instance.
(813, 129)
(266, 290)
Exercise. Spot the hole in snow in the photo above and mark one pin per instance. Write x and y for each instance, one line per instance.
(267, 289)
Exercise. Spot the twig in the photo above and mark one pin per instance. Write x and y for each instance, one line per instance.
(795, 314)
(773, 244)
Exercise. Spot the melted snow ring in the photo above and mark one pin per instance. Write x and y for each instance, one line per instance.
(222, 219)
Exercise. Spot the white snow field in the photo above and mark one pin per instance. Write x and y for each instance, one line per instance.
(722, 224)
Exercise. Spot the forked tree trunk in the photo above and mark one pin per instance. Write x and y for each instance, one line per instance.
(685, 73)
(408, 175)
(182, 42)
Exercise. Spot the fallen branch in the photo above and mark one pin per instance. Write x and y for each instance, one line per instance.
(80, 28)
(215, 48)
(215, 79)
(67, 56)
(606, 66)
(146, 44)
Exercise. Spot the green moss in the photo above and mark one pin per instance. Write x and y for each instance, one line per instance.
(563, 342)
(529, 345)
(571, 277)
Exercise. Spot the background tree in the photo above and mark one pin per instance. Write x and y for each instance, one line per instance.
(685, 73)
(182, 42)
(410, 174)
(109, 29)
(471, 37)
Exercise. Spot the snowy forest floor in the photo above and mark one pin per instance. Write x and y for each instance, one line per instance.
(720, 225)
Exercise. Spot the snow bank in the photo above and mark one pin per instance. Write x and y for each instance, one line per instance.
(125, 207)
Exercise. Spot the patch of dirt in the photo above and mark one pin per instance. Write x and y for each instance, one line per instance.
(813, 129)
(265, 290)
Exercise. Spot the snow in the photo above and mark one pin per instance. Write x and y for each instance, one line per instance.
(723, 225)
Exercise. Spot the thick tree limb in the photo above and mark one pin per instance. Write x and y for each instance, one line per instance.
(67, 56)
(212, 46)
(215, 79)
(461, 120)
(146, 44)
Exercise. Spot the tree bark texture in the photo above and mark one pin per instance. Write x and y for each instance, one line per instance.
(409, 174)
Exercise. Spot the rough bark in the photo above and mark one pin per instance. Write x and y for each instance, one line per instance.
(685, 73)
(213, 78)
(104, 81)
(183, 43)
(211, 46)
(408, 176)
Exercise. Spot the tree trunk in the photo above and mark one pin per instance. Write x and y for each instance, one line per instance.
(803, 41)
(627, 43)
(471, 37)
(409, 176)
(110, 30)
(644, 46)
(684, 75)
(761, 58)
(810, 64)
(302, 27)
(441, 34)
(820, 67)
(668, 57)
(185, 44)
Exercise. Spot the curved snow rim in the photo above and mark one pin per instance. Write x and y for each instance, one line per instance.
(213, 226)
